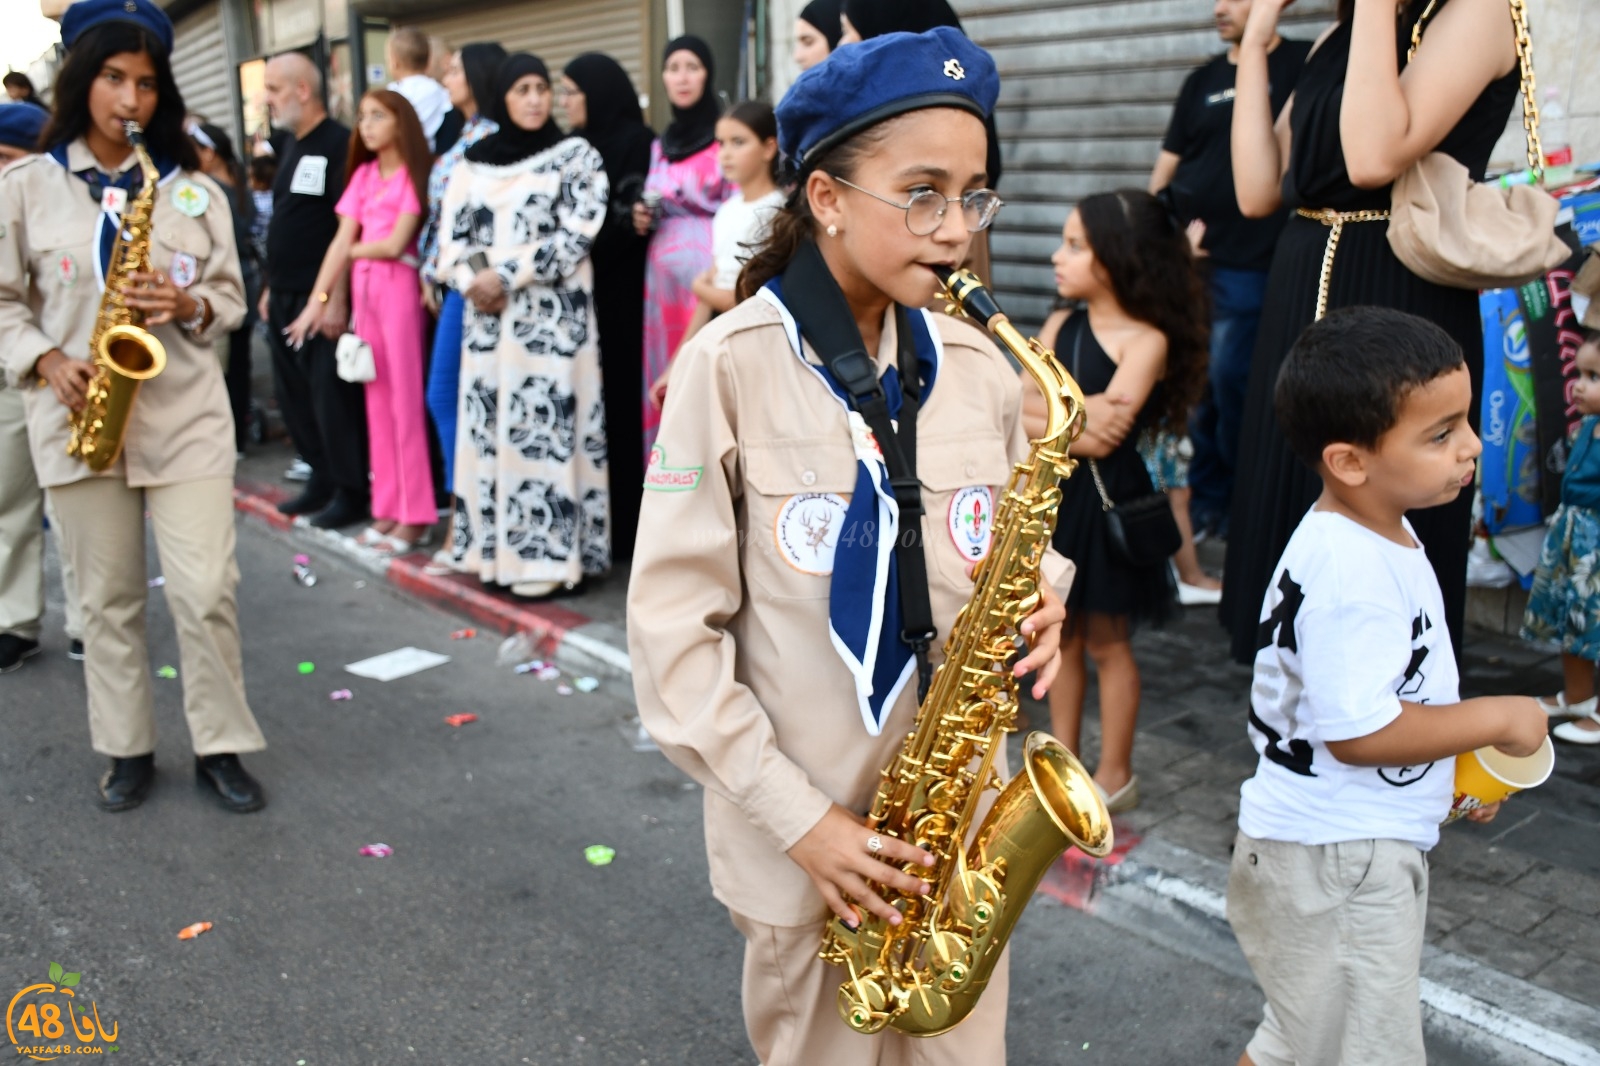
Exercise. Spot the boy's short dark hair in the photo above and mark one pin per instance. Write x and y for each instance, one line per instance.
(263, 169)
(1347, 376)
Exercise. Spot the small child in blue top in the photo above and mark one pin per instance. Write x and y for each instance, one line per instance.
(1355, 709)
(1565, 604)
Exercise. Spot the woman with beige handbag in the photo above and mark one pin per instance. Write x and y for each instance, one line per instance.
(1363, 113)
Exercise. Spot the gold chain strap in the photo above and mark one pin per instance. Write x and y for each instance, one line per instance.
(1105, 501)
(1335, 221)
(1530, 104)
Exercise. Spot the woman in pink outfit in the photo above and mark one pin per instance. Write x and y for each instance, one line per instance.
(682, 193)
(379, 215)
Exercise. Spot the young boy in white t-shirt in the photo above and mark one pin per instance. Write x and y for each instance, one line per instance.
(1354, 706)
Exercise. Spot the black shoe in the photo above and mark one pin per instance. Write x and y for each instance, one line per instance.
(312, 500)
(226, 776)
(75, 651)
(343, 511)
(126, 784)
(15, 650)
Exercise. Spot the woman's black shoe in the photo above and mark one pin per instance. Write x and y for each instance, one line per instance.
(127, 783)
(232, 783)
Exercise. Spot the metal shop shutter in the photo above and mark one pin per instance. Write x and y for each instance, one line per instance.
(555, 30)
(1086, 89)
(200, 66)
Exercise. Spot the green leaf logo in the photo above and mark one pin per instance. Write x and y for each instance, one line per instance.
(71, 979)
(56, 972)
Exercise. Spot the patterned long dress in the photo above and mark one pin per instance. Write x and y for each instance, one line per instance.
(680, 250)
(532, 500)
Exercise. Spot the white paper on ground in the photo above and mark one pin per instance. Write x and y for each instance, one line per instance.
(402, 662)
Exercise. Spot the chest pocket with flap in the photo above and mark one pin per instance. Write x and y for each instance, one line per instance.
(948, 467)
(176, 237)
(796, 492)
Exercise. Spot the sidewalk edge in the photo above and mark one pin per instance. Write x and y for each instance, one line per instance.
(553, 631)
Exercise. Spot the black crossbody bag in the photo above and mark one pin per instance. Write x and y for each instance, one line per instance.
(1142, 531)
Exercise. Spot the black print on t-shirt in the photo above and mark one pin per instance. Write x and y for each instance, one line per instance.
(1282, 617)
(1297, 758)
(1410, 685)
(1414, 678)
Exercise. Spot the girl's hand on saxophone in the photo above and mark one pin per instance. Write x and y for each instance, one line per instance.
(1042, 629)
(837, 855)
(68, 378)
(158, 298)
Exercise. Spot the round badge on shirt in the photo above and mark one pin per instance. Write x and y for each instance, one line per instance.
(190, 199)
(807, 531)
(972, 521)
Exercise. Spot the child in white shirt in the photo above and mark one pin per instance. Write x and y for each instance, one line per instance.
(1354, 709)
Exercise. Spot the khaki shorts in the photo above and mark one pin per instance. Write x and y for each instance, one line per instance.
(1334, 935)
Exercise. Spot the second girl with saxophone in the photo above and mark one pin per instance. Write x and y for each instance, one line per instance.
(761, 667)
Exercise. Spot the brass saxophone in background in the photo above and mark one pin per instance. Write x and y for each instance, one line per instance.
(925, 975)
(125, 354)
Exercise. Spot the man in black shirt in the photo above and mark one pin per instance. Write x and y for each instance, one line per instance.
(1196, 161)
(326, 416)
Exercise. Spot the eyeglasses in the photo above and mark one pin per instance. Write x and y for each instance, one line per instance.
(926, 209)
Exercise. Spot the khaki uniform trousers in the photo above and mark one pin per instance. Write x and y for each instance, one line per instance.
(103, 530)
(791, 1010)
(22, 509)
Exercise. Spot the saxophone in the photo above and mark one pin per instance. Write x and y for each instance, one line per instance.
(925, 975)
(125, 354)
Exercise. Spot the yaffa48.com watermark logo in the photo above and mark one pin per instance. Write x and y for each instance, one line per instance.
(46, 1021)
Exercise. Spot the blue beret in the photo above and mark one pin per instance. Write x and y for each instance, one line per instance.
(87, 14)
(861, 85)
(21, 123)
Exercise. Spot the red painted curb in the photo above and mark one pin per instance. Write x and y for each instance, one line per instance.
(546, 624)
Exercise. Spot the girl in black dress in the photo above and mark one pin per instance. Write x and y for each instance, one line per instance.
(1138, 351)
(1359, 117)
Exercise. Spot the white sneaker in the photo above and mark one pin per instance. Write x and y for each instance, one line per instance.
(299, 470)
(1573, 732)
(1557, 706)
(1194, 595)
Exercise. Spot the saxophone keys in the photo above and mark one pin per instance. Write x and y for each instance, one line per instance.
(863, 1004)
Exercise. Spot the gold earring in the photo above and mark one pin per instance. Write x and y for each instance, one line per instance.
(833, 231)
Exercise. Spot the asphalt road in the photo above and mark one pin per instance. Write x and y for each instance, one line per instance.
(487, 937)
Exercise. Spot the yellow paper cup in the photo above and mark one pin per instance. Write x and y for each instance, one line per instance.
(1488, 775)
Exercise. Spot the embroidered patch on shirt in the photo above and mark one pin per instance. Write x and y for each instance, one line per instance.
(191, 199)
(807, 530)
(972, 521)
(663, 478)
(184, 269)
(67, 270)
(310, 176)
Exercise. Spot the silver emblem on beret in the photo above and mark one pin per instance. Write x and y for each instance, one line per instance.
(952, 69)
(130, 7)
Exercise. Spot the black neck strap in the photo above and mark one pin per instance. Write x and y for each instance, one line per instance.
(824, 317)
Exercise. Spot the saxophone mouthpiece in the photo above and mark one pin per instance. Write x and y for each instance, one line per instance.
(967, 290)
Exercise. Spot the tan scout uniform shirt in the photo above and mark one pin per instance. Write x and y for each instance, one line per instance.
(734, 671)
(182, 427)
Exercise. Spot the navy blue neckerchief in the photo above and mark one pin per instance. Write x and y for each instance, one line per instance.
(879, 616)
(129, 181)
